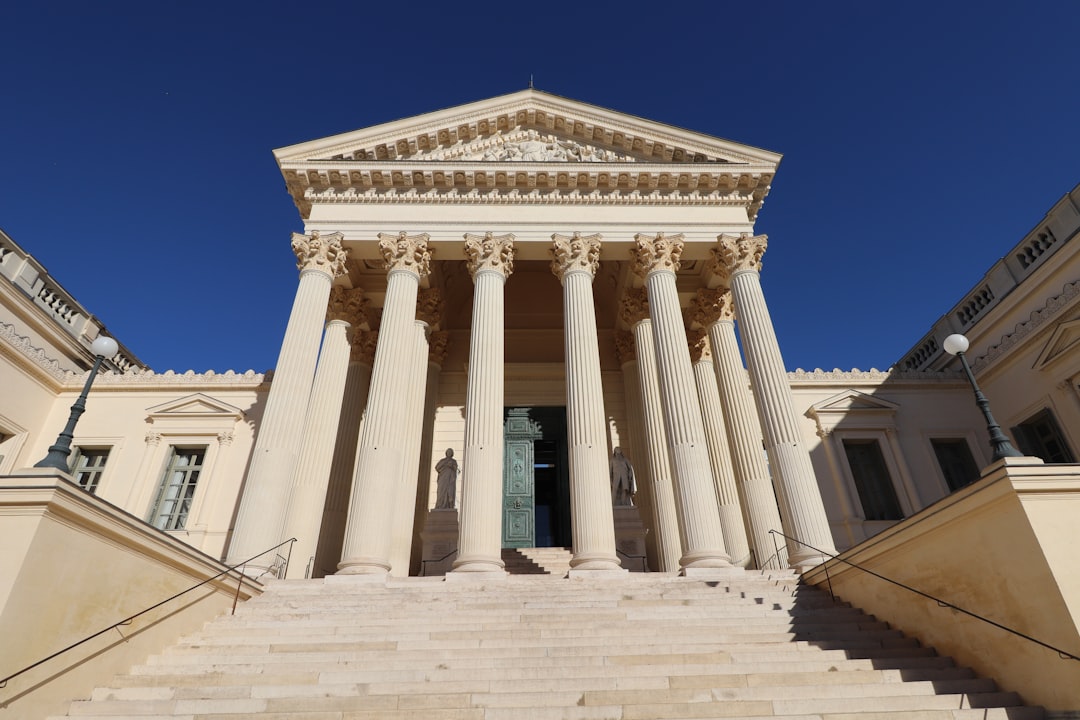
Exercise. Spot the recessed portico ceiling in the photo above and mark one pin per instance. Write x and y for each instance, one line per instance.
(525, 142)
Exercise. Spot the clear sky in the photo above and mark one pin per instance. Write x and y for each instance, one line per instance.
(921, 141)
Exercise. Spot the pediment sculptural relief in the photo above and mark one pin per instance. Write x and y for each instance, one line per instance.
(530, 146)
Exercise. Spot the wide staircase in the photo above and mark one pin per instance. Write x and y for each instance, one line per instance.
(542, 646)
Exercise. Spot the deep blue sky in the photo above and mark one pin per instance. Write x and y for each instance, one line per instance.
(921, 140)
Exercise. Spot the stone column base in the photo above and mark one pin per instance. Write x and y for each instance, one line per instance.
(630, 538)
(440, 542)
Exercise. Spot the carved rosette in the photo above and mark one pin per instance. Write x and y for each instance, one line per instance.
(737, 253)
(575, 254)
(624, 347)
(438, 343)
(429, 306)
(490, 252)
(363, 345)
(348, 305)
(634, 306)
(700, 350)
(320, 252)
(711, 306)
(406, 252)
(656, 253)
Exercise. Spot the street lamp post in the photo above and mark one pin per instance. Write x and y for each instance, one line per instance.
(957, 345)
(103, 347)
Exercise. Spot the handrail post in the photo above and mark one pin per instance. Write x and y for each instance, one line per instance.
(239, 584)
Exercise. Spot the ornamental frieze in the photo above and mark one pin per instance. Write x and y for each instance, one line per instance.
(406, 252)
(737, 253)
(712, 305)
(575, 253)
(489, 252)
(320, 252)
(656, 252)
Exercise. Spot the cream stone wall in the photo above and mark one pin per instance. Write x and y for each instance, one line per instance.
(71, 565)
(1000, 548)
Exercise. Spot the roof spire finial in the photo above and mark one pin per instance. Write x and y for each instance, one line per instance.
(530, 81)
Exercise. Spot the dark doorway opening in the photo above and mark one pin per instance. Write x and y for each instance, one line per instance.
(551, 476)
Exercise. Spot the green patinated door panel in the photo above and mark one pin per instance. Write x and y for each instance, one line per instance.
(518, 523)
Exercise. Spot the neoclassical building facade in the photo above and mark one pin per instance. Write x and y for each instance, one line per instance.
(531, 282)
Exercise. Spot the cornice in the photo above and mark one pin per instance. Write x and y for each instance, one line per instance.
(248, 379)
(35, 356)
(873, 375)
(1036, 320)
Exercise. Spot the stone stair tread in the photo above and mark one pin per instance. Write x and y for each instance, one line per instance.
(648, 645)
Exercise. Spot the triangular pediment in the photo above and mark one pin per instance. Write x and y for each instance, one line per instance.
(196, 405)
(1066, 339)
(852, 401)
(480, 131)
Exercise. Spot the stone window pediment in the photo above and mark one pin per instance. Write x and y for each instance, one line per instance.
(852, 408)
(1064, 341)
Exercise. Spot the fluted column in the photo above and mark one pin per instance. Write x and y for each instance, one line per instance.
(405, 507)
(727, 494)
(303, 518)
(656, 260)
(382, 442)
(635, 313)
(714, 310)
(592, 521)
(350, 420)
(437, 343)
(626, 354)
(261, 516)
(490, 262)
(737, 259)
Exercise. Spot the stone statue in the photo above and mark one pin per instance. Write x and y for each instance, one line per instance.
(623, 484)
(446, 483)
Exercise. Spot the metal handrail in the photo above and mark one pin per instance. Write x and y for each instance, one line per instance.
(423, 563)
(127, 620)
(1063, 654)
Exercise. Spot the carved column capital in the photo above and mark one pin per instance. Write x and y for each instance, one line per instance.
(406, 252)
(624, 347)
(225, 438)
(363, 345)
(490, 252)
(320, 252)
(711, 306)
(429, 306)
(634, 306)
(575, 253)
(152, 438)
(656, 252)
(737, 253)
(348, 305)
(698, 341)
(438, 343)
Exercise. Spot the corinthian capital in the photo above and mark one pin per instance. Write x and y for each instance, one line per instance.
(736, 253)
(429, 306)
(700, 350)
(406, 252)
(634, 306)
(319, 252)
(363, 345)
(624, 347)
(656, 252)
(575, 253)
(349, 305)
(437, 346)
(710, 306)
(490, 252)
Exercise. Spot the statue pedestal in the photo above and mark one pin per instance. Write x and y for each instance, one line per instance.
(630, 538)
(440, 538)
